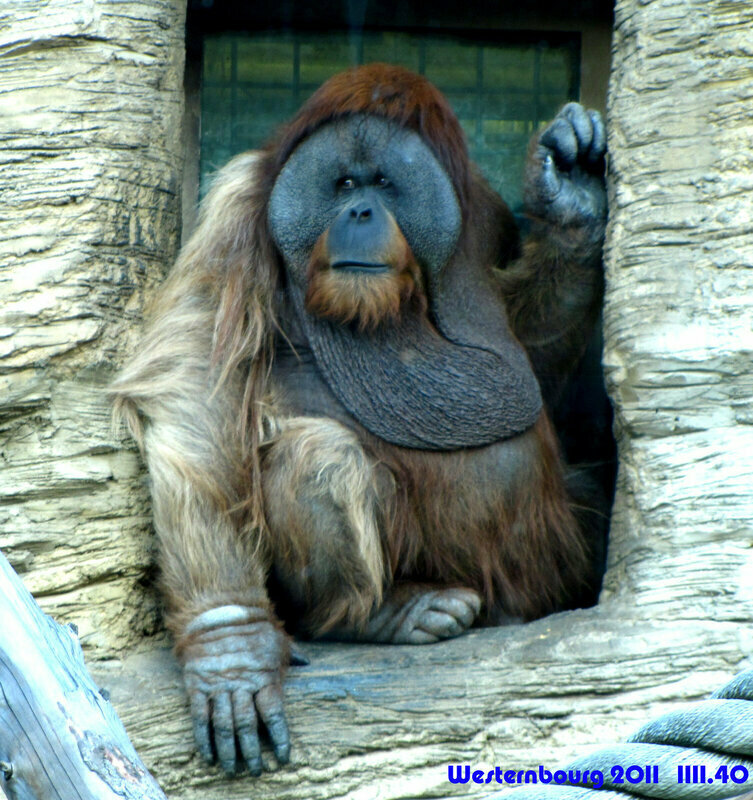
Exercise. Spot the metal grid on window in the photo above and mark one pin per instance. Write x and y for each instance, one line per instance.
(501, 91)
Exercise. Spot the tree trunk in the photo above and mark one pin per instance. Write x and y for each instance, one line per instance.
(90, 167)
(59, 736)
(679, 310)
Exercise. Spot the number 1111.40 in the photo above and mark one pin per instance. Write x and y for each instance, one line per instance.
(697, 773)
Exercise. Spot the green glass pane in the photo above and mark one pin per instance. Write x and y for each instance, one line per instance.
(550, 104)
(557, 60)
(452, 66)
(509, 106)
(509, 67)
(501, 93)
(217, 63)
(464, 104)
(324, 56)
(216, 121)
(259, 113)
(500, 134)
(392, 48)
(504, 171)
(265, 60)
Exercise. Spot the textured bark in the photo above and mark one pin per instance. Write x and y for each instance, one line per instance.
(679, 309)
(89, 209)
(90, 113)
(385, 721)
(59, 735)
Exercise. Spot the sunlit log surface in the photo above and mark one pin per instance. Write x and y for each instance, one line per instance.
(91, 158)
(59, 736)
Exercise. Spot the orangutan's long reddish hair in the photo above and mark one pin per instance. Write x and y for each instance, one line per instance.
(201, 377)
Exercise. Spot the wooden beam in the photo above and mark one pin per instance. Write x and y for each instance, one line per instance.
(394, 717)
(60, 739)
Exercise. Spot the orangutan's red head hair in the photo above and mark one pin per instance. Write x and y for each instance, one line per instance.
(392, 92)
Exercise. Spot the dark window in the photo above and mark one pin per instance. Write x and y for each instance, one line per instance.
(502, 87)
(506, 67)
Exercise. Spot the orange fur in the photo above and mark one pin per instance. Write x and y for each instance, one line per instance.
(515, 541)
(369, 300)
(202, 378)
(397, 94)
